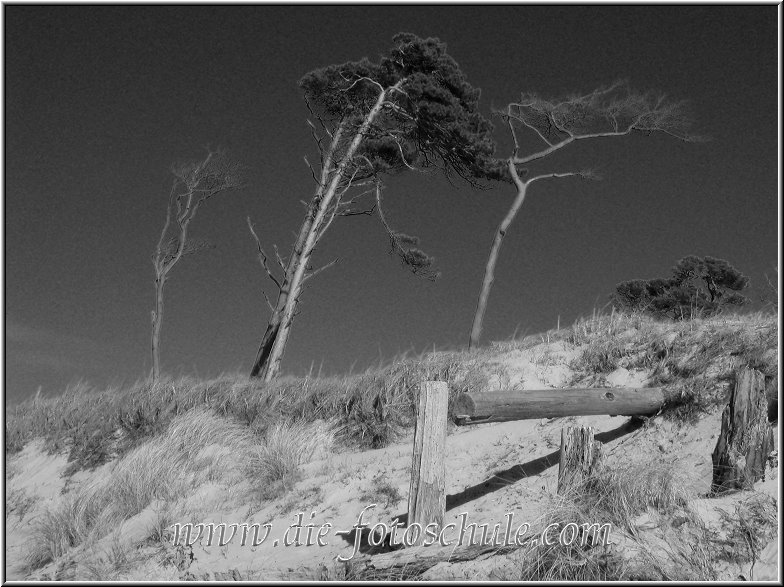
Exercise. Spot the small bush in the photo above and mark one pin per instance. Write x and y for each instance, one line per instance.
(699, 287)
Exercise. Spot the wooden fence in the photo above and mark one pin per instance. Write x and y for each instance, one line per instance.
(739, 458)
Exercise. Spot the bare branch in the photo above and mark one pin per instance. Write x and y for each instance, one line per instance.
(278, 257)
(325, 171)
(364, 78)
(159, 249)
(402, 156)
(319, 270)
(584, 174)
(508, 116)
(610, 111)
(317, 117)
(269, 304)
(398, 110)
(318, 144)
(360, 213)
(263, 256)
(313, 173)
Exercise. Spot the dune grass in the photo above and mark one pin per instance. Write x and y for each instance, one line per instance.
(695, 359)
(614, 496)
(163, 468)
(274, 464)
(371, 408)
(157, 437)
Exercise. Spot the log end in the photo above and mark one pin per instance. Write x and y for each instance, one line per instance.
(464, 407)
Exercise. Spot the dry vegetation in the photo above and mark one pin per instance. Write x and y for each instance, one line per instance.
(155, 442)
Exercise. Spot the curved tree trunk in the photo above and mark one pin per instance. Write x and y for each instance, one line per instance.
(487, 284)
(318, 216)
(157, 318)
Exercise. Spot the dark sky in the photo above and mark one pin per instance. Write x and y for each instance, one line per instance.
(100, 100)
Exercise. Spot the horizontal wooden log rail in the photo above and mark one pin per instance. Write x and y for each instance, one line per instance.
(504, 406)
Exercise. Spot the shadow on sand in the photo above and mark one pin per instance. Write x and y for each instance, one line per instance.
(494, 483)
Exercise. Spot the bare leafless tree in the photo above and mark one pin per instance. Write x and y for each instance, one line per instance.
(612, 111)
(194, 183)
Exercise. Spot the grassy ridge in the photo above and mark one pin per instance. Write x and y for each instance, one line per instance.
(164, 440)
(695, 359)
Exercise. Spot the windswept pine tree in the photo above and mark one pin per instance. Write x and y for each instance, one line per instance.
(413, 109)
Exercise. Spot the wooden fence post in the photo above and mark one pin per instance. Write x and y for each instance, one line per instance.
(427, 496)
(746, 437)
(581, 455)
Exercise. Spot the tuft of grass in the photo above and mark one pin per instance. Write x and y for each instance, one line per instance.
(161, 469)
(274, 465)
(750, 527)
(382, 491)
(160, 531)
(600, 356)
(622, 492)
(585, 559)
(19, 503)
(110, 565)
(691, 399)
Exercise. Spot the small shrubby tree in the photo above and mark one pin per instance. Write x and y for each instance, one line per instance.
(411, 110)
(699, 287)
(194, 183)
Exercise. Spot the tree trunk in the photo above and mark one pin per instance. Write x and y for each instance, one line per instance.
(581, 456)
(476, 329)
(262, 366)
(266, 345)
(273, 365)
(273, 344)
(746, 438)
(157, 317)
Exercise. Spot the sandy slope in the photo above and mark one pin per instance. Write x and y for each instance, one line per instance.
(492, 470)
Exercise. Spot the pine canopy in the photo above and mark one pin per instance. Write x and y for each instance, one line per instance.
(431, 120)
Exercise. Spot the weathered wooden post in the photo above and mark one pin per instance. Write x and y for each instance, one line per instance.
(581, 456)
(427, 496)
(746, 438)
